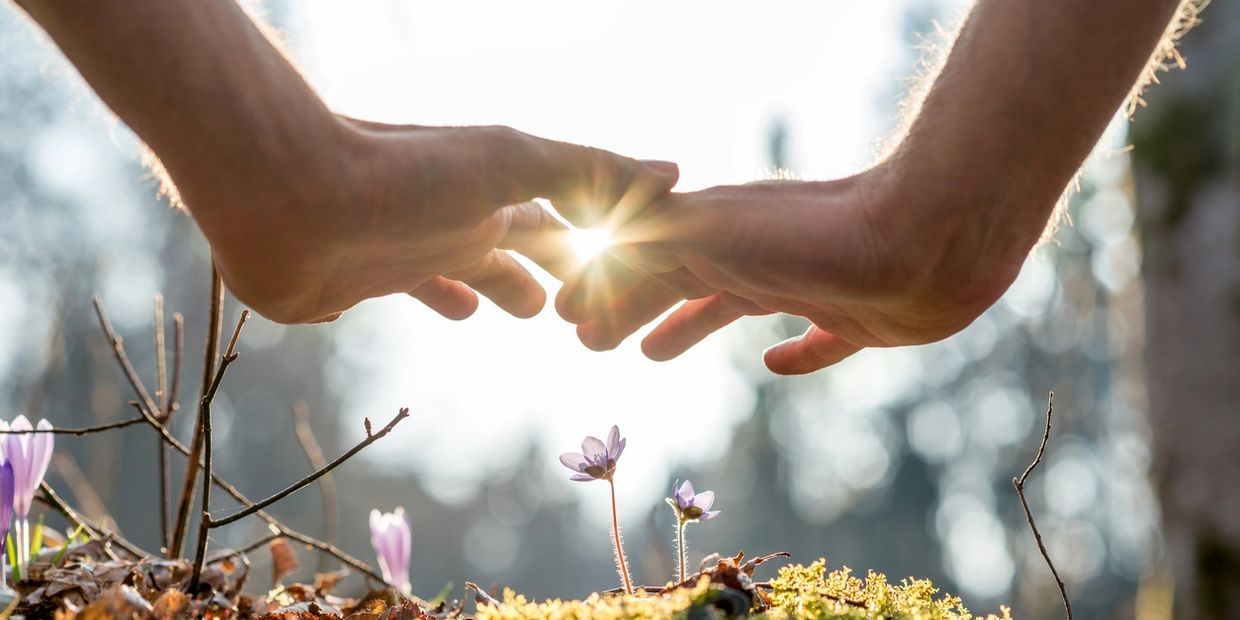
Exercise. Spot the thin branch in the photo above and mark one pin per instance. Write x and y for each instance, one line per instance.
(161, 354)
(266, 540)
(83, 430)
(267, 517)
(49, 497)
(118, 351)
(204, 415)
(1019, 483)
(178, 355)
(211, 348)
(170, 406)
(161, 395)
(306, 481)
(327, 486)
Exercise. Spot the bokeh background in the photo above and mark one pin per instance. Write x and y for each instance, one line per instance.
(899, 461)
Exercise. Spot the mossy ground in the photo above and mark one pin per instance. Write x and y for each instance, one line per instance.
(799, 593)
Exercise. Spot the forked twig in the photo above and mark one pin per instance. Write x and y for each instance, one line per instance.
(204, 415)
(232, 491)
(315, 475)
(327, 486)
(1019, 483)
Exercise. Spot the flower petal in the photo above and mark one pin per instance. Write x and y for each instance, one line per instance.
(613, 440)
(582, 478)
(594, 451)
(615, 454)
(707, 516)
(704, 500)
(684, 494)
(574, 461)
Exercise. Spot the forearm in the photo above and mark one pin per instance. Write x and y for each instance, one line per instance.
(1025, 93)
(198, 82)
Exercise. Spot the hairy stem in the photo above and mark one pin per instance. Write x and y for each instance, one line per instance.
(681, 558)
(621, 564)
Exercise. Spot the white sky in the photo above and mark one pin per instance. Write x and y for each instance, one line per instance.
(698, 83)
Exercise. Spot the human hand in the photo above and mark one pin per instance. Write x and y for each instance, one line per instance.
(853, 256)
(422, 210)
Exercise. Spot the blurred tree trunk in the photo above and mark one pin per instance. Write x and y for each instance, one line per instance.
(1187, 177)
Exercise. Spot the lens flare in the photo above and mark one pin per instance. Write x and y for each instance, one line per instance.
(589, 242)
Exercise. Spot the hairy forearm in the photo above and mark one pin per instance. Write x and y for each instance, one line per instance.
(1026, 91)
(199, 83)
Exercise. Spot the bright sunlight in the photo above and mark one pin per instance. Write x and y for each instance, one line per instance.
(589, 242)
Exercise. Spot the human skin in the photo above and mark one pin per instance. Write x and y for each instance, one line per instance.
(308, 212)
(913, 249)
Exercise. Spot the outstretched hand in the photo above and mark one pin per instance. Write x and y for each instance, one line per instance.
(423, 210)
(849, 255)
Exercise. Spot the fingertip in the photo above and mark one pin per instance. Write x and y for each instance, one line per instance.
(530, 306)
(596, 339)
(663, 168)
(655, 352)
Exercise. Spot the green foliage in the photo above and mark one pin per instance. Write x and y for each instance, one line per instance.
(799, 593)
(12, 551)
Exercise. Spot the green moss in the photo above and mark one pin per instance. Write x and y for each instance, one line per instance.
(798, 593)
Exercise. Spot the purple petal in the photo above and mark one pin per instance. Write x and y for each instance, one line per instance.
(684, 494)
(582, 478)
(594, 450)
(42, 445)
(574, 461)
(615, 455)
(6, 498)
(704, 499)
(707, 516)
(613, 441)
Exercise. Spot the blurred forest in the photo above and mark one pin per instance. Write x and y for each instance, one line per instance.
(1131, 318)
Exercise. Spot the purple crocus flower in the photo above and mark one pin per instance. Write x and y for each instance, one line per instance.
(597, 460)
(6, 499)
(690, 506)
(391, 538)
(29, 454)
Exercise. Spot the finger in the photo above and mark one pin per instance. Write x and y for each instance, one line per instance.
(454, 300)
(814, 350)
(639, 306)
(504, 281)
(536, 234)
(326, 318)
(583, 183)
(689, 325)
(597, 284)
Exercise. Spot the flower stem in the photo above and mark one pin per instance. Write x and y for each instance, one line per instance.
(680, 551)
(621, 564)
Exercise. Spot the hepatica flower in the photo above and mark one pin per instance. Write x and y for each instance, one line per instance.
(29, 455)
(391, 538)
(690, 507)
(597, 461)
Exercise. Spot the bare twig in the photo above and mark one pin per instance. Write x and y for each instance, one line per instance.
(154, 422)
(118, 351)
(180, 529)
(170, 406)
(49, 497)
(267, 517)
(161, 353)
(304, 482)
(204, 415)
(178, 355)
(83, 430)
(161, 395)
(1019, 483)
(80, 488)
(327, 486)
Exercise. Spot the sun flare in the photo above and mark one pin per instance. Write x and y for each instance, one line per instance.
(589, 242)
